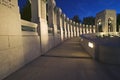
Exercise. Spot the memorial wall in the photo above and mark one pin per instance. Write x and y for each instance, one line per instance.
(23, 41)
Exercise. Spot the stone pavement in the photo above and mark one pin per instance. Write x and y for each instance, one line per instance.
(68, 61)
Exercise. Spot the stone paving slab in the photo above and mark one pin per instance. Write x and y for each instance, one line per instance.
(70, 48)
(62, 64)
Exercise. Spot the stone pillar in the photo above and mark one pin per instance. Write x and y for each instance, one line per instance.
(39, 17)
(87, 29)
(71, 29)
(58, 18)
(83, 28)
(94, 29)
(60, 24)
(55, 29)
(55, 21)
(90, 28)
(80, 29)
(11, 46)
(43, 9)
(74, 28)
(77, 30)
(76, 25)
(68, 27)
(36, 10)
(63, 25)
(51, 6)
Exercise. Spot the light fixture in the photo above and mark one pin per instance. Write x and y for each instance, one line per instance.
(81, 39)
(99, 23)
(90, 44)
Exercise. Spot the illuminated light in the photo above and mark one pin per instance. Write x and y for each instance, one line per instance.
(111, 36)
(91, 45)
(81, 39)
(99, 23)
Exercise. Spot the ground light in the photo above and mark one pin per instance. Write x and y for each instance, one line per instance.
(90, 44)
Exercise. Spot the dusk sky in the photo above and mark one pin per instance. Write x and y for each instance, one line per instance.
(84, 8)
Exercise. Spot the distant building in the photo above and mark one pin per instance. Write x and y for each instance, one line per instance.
(106, 21)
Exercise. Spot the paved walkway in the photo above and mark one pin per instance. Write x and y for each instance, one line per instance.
(68, 61)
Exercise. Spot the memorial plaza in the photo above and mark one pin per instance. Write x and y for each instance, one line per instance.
(53, 47)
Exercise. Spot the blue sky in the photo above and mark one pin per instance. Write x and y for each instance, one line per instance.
(84, 8)
(21, 3)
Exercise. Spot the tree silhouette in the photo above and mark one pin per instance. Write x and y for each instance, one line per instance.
(89, 20)
(76, 19)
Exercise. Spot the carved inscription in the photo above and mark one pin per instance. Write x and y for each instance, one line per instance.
(7, 3)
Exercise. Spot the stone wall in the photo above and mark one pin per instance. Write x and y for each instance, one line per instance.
(11, 46)
(30, 40)
(22, 41)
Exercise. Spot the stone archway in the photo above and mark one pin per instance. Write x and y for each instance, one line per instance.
(99, 25)
(108, 17)
(110, 25)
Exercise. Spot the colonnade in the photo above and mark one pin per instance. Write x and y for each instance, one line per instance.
(22, 41)
(57, 20)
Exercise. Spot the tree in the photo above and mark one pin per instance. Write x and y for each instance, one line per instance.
(76, 19)
(89, 20)
(26, 11)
